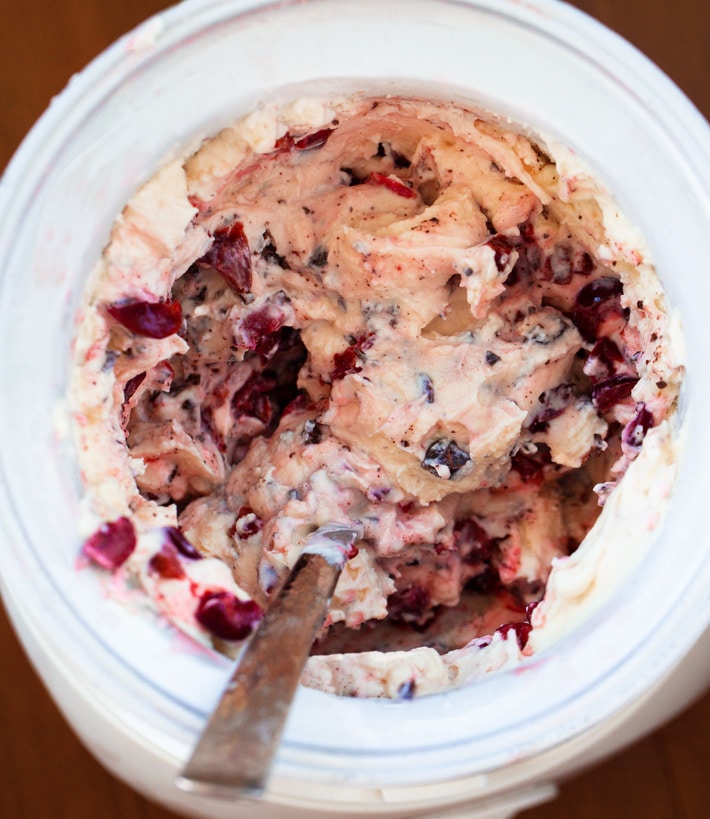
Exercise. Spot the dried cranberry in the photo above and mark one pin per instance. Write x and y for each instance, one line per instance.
(284, 143)
(226, 616)
(257, 328)
(502, 247)
(111, 544)
(531, 466)
(530, 608)
(158, 319)
(635, 431)
(346, 363)
(599, 291)
(595, 303)
(522, 631)
(392, 183)
(612, 390)
(444, 458)
(230, 256)
(527, 232)
(315, 140)
(132, 385)
(166, 563)
(247, 522)
(252, 399)
(181, 543)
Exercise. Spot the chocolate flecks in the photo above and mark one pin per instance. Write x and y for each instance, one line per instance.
(319, 257)
(427, 388)
(270, 254)
(491, 358)
(444, 458)
(407, 690)
(312, 432)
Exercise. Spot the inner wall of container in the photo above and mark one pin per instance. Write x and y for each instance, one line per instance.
(152, 94)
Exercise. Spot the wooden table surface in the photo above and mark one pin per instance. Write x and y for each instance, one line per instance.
(45, 773)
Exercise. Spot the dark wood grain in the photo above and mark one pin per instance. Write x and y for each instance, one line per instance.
(45, 773)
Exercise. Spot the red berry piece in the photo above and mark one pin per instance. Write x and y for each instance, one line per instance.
(392, 183)
(166, 563)
(315, 140)
(252, 400)
(176, 538)
(635, 431)
(288, 142)
(152, 319)
(111, 544)
(595, 303)
(531, 466)
(284, 143)
(132, 385)
(530, 608)
(231, 258)
(226, 616)
(346, 363)
(599, 291)
(256, 329)
(612, 391)
(247, 523)
(522, 632)
(527, 233)
(502, 247)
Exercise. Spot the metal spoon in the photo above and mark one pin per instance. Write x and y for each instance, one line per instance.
(233, 756)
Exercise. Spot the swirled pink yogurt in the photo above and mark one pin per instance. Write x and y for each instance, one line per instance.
(407, 316)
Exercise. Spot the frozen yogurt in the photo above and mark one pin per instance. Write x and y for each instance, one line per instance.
(408, 316)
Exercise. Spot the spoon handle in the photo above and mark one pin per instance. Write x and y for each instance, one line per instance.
(234, 754)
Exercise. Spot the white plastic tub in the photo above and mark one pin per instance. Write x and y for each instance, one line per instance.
(136, 692)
